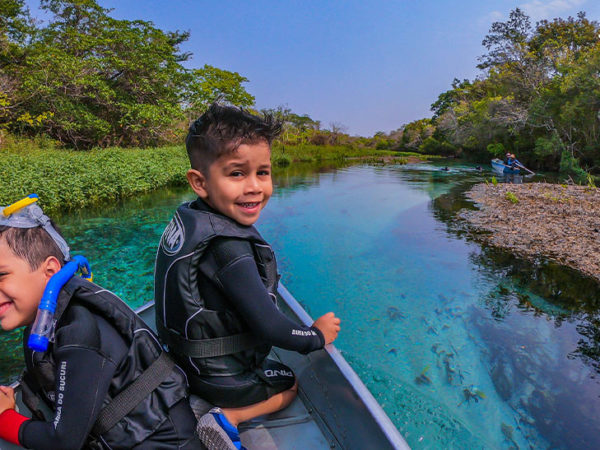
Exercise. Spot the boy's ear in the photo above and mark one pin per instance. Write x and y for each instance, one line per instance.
(197, 181)
(51, 266)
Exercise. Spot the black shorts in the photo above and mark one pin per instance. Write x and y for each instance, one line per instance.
(247, 388)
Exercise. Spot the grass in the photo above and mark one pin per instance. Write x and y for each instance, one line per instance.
(511, 197)
(68, 179)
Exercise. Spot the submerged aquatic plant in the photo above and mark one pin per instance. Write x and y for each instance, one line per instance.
(422, 378)
(472, 392)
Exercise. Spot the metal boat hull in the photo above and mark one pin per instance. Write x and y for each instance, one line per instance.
(333, 409)
(500, 167)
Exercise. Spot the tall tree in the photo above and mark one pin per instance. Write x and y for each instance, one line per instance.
(209, 84)
(102, 81)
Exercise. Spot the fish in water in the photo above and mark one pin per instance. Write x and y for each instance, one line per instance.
(508, 433)
(450, 370)
(435, 348)
(394, 313)
(472, 392)
(393, 351)
(422, 378)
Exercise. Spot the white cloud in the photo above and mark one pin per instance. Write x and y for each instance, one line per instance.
(489, 19)
(544, 9)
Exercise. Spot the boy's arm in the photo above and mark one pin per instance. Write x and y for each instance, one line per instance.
(10, 419)
(238, 278)
(83, 376)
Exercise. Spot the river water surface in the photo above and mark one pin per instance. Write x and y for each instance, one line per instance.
(464, 346)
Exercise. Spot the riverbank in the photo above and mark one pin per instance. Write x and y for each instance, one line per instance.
(559, 222)
(68, 179)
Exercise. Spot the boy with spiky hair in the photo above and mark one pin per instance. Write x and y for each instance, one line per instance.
(97, 351)
(216, 279)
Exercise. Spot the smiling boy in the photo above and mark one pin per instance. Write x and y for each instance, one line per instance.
(216, 279)
(98, 349)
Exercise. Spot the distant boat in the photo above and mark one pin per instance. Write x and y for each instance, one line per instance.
(499, 166)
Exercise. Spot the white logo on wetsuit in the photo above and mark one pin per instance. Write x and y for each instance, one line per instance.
(173, 236)
(62, 382)
(303, 333)
(275, 373)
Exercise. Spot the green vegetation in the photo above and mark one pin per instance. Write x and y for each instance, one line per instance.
(511, 197)
(69, 179)
(87, 81)
(90, 80)
(538, 96)
(317, 153)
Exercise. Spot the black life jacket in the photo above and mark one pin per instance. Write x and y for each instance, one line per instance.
(144, 357)
(213, 342)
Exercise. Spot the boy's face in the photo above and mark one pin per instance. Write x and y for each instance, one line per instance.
(239, 184)
(20, 288)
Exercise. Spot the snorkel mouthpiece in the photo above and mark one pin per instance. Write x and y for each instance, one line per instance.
(43, 327)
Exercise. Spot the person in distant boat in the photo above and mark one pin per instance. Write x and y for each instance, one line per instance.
(511, 160)
(216, 280)
(98, 348)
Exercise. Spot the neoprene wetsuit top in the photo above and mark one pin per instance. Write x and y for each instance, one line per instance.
(91, 359)
(228, 278)
(208, 268)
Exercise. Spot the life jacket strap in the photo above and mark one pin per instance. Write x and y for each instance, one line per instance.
(207, 348)
(124, 402)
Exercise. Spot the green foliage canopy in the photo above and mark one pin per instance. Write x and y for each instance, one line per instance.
(88, 79)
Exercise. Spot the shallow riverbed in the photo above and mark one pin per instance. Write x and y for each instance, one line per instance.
(464, 345)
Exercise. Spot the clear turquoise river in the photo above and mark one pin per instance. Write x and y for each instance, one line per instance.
(464, 346)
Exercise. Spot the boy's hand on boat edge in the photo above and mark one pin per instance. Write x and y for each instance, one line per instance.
(329, 325)
(7, 398)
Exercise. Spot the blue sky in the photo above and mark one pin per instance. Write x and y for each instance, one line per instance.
(368, 65)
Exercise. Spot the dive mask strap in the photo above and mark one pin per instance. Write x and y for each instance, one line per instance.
(26, 214)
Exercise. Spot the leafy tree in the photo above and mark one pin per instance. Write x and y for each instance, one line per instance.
(104, 81)
(538, 94)
(15, 25)
(210, 84)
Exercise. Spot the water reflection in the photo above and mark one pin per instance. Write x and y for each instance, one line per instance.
(464, 345)
(542, 339)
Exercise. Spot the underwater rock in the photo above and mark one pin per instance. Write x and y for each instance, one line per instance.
(541, 406)
(503, 378)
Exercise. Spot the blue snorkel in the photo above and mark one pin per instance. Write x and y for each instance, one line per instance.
(43, 327)
(25, 214)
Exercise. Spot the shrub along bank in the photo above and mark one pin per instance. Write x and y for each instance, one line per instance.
(69, 179)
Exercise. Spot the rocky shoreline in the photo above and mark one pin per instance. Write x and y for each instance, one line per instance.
(560, 222)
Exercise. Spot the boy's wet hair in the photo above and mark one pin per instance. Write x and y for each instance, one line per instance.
(34, 245)
(222, 129)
